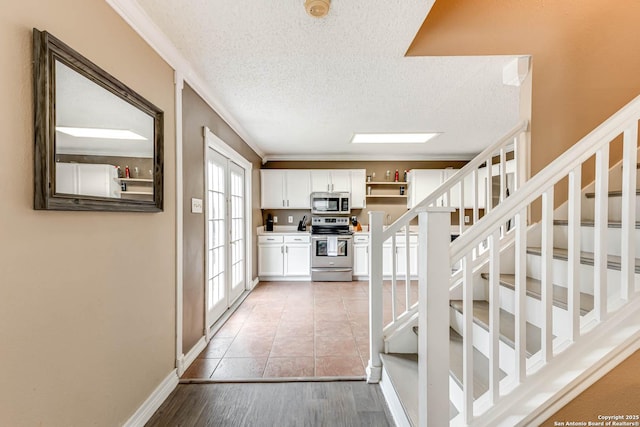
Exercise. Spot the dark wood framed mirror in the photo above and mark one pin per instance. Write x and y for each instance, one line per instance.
(98, 144)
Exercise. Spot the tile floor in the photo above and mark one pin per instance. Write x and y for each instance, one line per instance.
(293, 329)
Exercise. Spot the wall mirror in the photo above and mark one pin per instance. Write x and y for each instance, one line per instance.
(98, 144)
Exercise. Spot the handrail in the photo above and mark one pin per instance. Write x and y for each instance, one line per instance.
(454, 179)
(556, 170)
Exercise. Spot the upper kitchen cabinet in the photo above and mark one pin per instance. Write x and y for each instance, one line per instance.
(358, 191)
(423, 182)
(285, 189)
(331, 180)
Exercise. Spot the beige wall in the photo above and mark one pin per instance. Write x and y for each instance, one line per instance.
(87, 299)
(393, 209)
(617, 393)
(585, 62)
(196, 114)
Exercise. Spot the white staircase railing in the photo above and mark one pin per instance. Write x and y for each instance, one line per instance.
(541, 187)
(535, 196)
(475, 179)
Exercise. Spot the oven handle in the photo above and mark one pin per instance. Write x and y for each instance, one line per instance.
(331, 269)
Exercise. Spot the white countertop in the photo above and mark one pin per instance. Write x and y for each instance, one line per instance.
(282, 229)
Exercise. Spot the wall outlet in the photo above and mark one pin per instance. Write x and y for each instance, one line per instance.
(196, 205)
(467, 220)
(290, 219)
(275, 219)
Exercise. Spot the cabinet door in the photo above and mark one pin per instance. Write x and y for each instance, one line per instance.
(358, 178)
(386, 260)
(272, 189)
(341, 180)
(297, 260)
(423, 182)
(270, 260)
(320, 180)
(454, 194)
(360, 260)
(298, 185)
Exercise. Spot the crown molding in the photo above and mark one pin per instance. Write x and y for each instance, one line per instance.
(138, 19)
(363, 157)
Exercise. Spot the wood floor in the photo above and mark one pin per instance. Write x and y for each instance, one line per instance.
(293, 329)
(330, 404)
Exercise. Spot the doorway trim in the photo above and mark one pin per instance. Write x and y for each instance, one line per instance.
(214, 142)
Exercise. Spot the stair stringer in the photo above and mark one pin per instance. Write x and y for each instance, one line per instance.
(549, 387)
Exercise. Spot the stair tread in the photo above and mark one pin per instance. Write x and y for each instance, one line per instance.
(613, 193)
(402, 370)
(586, 258)
(534, 290)
(480, 365)
(507, 325)
(591, 223)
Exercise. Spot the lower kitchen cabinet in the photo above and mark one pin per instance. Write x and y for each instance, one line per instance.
(282, 257)
(361, 256)
(401, 257)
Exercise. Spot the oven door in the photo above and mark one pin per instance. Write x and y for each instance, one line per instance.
(322, 255)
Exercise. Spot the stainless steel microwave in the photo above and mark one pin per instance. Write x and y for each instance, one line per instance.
(330, 204)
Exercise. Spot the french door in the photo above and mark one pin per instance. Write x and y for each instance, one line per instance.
(225, 230)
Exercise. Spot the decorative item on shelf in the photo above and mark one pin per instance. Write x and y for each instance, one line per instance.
(136, 172)
(405, 176)
(373, 176)
(127, 173)
(119, 171)
(123, 186)
(402, 190)
(369, 190)
(388, 175)
(397, 177)
(368, 178)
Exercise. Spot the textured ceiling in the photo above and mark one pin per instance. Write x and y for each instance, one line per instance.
(300, 86)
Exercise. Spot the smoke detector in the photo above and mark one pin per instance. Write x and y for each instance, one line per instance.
(317, 8)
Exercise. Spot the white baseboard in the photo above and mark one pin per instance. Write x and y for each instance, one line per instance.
(393, 401)
(153, 402)
(188, 358)
(254, 283)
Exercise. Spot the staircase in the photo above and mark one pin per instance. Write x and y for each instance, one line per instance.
(541, 300)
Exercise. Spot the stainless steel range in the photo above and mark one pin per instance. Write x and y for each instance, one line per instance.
(331, 249)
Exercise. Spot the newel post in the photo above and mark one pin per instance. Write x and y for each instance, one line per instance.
(434, 276)
(374, 369)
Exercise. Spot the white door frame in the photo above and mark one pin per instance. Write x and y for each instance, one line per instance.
(214, 142)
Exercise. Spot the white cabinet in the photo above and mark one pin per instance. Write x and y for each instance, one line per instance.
(284, 256)
(285, 189)
(270, 255)
(481, 185)
(297, 256)
(401, 257)
(331, 180)
(298, 189)
(358, 178)
(361, 255)
(422, 182)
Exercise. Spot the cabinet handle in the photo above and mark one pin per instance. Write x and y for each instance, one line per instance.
(281, 249)
(287, 203)
(282, 202)
(270, 239)
(286, 249)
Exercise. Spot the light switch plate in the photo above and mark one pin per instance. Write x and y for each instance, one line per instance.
(196, 205)
(290, 219)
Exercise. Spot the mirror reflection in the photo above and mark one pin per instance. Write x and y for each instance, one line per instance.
(104, 146)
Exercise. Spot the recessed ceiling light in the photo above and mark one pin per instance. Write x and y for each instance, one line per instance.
(100, 133)
(392, 138)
